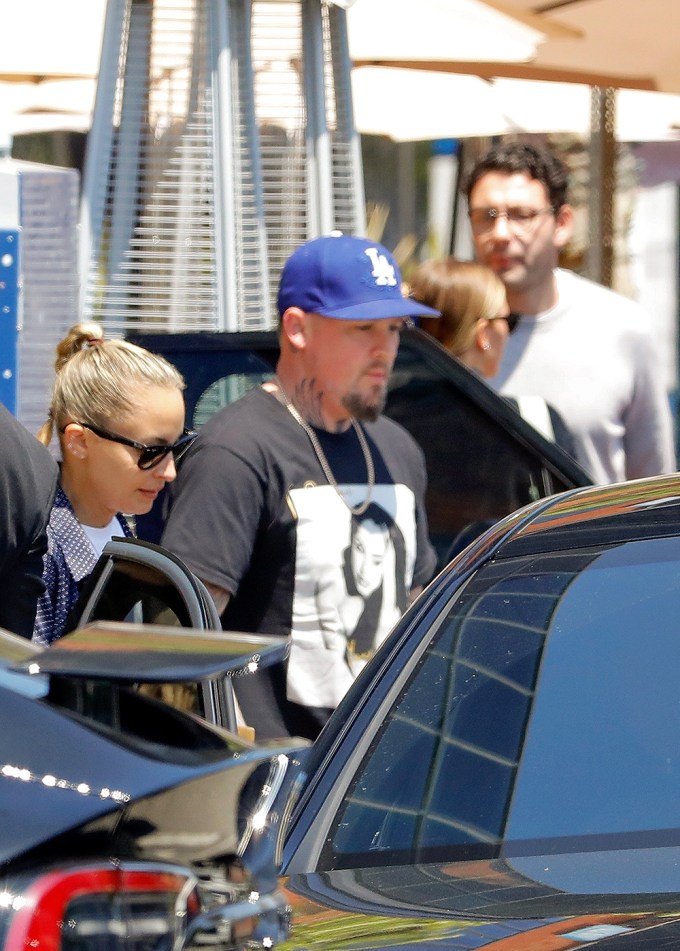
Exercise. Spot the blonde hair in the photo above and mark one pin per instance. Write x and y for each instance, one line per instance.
(94, 378)
(464, 292)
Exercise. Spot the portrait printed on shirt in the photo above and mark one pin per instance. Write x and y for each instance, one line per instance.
(353, 572)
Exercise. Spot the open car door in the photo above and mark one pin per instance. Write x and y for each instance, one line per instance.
(139, 583)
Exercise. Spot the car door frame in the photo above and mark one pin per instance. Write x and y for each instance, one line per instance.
(217, 695)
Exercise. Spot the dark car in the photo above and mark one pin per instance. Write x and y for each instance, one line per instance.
(505, 772)
(483, 459)
(127, 823)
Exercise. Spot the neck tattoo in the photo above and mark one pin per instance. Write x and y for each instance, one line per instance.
(321, 455)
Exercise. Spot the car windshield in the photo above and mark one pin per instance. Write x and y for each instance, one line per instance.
(543, 714)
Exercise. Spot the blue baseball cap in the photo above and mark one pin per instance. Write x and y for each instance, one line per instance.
(348, 278)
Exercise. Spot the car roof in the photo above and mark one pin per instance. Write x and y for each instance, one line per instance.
(607, 514)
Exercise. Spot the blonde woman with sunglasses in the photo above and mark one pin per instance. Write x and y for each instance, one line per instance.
(118, 413)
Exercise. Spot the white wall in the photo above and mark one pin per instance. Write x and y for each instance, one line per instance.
(654, 267)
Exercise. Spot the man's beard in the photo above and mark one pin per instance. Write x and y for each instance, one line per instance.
(367, 409)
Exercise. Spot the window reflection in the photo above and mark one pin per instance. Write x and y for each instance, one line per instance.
(224, 391)
(140, 594)
(438, 779)
(478, 470)
(602, 756)
(545, 708)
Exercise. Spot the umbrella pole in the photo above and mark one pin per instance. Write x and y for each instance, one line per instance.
(602, 188)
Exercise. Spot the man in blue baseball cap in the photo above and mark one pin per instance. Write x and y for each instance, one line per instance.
(263, 507)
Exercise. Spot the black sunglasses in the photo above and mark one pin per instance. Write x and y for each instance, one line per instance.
(513, 320)
(149, 456)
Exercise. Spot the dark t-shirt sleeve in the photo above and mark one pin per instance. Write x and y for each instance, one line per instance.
(216, 505)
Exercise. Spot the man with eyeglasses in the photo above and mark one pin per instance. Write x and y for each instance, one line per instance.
(583, 348)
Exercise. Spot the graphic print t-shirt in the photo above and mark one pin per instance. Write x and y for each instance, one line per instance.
(349, 569)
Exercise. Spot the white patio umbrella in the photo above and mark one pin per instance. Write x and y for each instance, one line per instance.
(48, 41)
(411, 105)
(49, 60)
(51, 38)
(437, 30)
(619, 43)
(622, 43)
(641, 115)
(53, 68)
(62, 38)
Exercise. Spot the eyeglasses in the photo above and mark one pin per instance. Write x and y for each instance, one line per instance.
(150, 456)
(520, 220)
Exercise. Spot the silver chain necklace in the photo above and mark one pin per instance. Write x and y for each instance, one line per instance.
(321, 455)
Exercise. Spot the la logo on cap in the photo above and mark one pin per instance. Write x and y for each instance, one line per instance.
(383, 271)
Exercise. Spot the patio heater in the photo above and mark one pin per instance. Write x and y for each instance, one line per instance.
(222, 137)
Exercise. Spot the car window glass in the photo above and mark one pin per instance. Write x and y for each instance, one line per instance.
(467, 758)
(477, 469)
(138, 593)
(439, 772)
(615, 648)
(226, 390)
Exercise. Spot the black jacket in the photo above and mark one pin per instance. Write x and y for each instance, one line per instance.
(28, 481)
